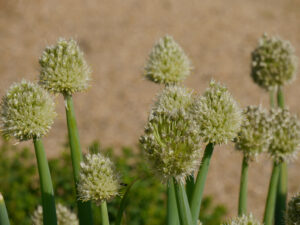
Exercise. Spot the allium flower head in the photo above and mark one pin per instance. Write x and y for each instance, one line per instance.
(27, 111)
(243, 220)
(286, 135)
(217, 115)
(98, 180)
(273, 62)
(64, 216)
(171, 141)
(293, 211)
(63, 68)
(255, 134)
(167, 62)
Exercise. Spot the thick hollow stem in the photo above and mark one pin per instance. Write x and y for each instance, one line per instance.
(3, 212)
(200, 182)
(243, 188)
(280, 97)
(271, 199)
(48, 201)
(281, 195)
(184, 211)
(104, 213)
(172, 212)
(84, 208)
(190, 183)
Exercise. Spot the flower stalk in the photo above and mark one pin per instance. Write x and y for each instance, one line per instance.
(172, 211)
(84, 208)
(200, 182)
(3, 212)
(104, 213)
(242, 208)
(48, 201)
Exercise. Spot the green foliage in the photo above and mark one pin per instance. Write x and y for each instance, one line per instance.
(20, 186)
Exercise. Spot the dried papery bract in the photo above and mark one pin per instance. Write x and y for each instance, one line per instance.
(64, 216)
(167, 62)
(273, 62)
(285, 141)
(243, 220)
(293, 211)
(171, 142)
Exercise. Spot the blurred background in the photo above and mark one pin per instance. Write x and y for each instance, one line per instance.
(116, 37)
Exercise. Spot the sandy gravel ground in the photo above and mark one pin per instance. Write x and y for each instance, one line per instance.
(117, 35)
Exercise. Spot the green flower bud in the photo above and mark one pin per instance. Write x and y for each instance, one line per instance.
(273, 62)
(286, 135)
(171, 142)
(255, 134)
(64, 216)
(27, 111)
(243, 220)
(293, 211)
(167, 62)
(217, 115)
(63, 68)
(98, 180)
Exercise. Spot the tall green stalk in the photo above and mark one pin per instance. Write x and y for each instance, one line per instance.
(84, 208)
(271, 199)
(200, 182)
(172, 212)
(281, 197)
(48, 201)
(243, 188)
(189, 186)
(184, 211)
(104, 214)
(3, 212)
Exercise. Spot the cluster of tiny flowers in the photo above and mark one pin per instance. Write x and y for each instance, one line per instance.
(171, 141)
(273, 62)
(293, 211)
(98, 180)
(286, 135)
(27, 111)
(63, 68)
(217, 115)
(255, 134)
(167, 63)
(243, 220)
(64, 216)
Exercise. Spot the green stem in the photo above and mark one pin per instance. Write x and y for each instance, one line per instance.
(172, 212)
(200, 182)
(184, 211)
(272, 97)
(104, 213)
(84, 208)
(281, 197)
(48, 201)
(243, 188)
(3, 212)
(190, 183)
(271, 199)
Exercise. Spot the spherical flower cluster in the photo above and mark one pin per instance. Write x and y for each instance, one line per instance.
(217, 115)
(167, 63)
(286, 135)
(273, 62)
(98, 180)
(27, 111)
(63, 68)
(255, 134)
(243, 220)
(293, 211)
(171, 141)
(64, 216)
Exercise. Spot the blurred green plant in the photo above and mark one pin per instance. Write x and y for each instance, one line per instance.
(20, 186)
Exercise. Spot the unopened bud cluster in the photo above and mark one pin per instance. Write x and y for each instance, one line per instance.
(98, 180)
(63, 68)
(255, 134)
(27, 111)
(64, 216)
(293, 211)
(167, 62)
(273, 62)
